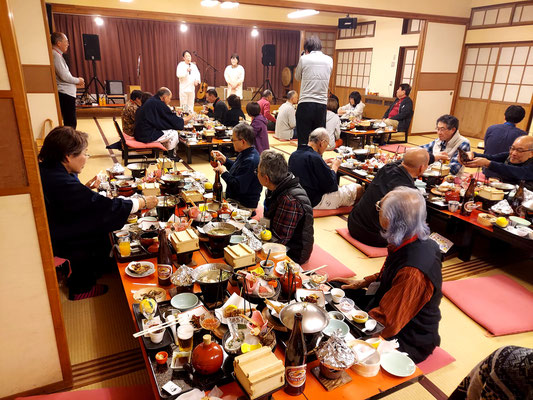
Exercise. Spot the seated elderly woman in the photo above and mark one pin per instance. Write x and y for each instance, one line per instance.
(80, 219)
(405, 295)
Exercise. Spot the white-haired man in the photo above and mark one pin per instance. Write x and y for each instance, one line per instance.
(286, 120)
(319, 177)
(405, 295)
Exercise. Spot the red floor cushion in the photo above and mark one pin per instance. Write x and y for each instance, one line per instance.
(436, 360)
(137, 392)
(134, 144)
(334, 267)
(496, 302)
(395, 148)
(336, 211)
(370, 251)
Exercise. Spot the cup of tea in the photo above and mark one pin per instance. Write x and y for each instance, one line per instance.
(157, 335)
(453, 205)
(337, 295)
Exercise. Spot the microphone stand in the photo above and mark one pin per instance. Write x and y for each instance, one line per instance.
(208, 66)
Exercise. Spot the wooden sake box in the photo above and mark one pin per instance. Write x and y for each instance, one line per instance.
(185, 241)
(192, 196)
(490, 193)
(151, 189)
(239, 255)
(259, 372)
(164, 162)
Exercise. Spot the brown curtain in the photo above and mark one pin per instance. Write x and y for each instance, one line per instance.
(160, 45)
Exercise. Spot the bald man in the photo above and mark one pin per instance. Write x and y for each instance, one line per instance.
(511, 166)
(363, 222)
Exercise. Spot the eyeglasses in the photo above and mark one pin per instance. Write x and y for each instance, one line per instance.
(378, 205)
(512, 148)
(441, 128)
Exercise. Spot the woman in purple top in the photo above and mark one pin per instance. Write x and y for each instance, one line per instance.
(259, 123)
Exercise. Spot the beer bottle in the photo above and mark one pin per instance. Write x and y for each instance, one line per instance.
(164, 260)
(469, 196)
(217, 188)
(518, 199)
(295, 366)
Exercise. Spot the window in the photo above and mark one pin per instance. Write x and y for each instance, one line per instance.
(412, 26)
(408, 65)
(502, 15)
(327, 39)
(353, 68)
(498, 73)
(363, 29)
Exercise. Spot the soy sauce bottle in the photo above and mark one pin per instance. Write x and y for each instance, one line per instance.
(217, 188)
(164, 260)
(295, 366)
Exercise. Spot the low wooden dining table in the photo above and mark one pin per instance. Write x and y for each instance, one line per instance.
(359, 388)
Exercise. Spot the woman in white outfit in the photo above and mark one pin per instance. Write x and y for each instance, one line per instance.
(189, 77)
(234, 76)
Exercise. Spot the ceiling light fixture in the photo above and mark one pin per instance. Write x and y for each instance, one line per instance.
(255, 32)
(184, 27)
(302, 13)
(229, 4)
(98, 21)
(209, 3)
(126, 1)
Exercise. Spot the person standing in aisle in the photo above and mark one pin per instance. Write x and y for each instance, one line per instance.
(234, 76)
(66, 83)
(189, 77)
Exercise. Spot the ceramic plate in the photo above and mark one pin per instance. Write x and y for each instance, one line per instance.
(149, 272)
(397, 364)
(301, 294)
(160, 294)
(184, 301)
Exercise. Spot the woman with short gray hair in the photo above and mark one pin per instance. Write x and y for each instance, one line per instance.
(405, 295)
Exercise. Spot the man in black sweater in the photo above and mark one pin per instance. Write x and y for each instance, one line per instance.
(219, 109)
(156, 122)
(363, 222)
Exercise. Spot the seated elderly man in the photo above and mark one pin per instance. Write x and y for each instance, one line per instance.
(286, 121)
(512, 166)
(363, 221)
(288, 210)
(241, 180)
(405, 295)
(446, 146)
(264, 103)
(319, 177)
(156, 122)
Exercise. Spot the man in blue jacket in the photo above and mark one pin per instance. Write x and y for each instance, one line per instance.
(241, 180)
(156, 122)
(318, 177)
(500, 137)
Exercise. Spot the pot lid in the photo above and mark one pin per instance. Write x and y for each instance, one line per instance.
(314, 318)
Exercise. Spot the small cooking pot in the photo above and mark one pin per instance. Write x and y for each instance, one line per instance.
(138, 170)
(314, 320)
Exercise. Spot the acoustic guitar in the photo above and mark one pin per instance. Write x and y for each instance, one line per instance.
(202, 90)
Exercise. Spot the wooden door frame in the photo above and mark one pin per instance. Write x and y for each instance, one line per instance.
(400, 65)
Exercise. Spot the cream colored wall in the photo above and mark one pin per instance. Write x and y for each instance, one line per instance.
(442, 53)
(41, 106)
(30, 31)
(499, 35)
(4, 78)
(29, 353)
(386, 45)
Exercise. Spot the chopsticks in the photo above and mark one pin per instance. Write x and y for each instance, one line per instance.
(155, 328)
(314, 270)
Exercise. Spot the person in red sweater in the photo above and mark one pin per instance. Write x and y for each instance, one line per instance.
(264, 103)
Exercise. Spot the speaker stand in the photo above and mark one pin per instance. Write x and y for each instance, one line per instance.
(266, 85)
(96, 82)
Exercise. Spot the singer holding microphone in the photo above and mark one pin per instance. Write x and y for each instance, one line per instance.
(189, 76)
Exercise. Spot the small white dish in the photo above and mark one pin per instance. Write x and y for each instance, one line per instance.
(149, 272)
(398, 364)
(184, 301)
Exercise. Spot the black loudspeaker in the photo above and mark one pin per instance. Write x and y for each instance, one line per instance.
(347, 23)
(49, 17)
(114, 87)
(91, 47)
(269, 55)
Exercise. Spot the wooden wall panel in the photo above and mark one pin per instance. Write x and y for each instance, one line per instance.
(495, 115)
(437, 81)
(471, 115)
(38, 78)
(12, 168)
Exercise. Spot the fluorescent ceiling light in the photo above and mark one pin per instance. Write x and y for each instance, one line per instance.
(209, 3)
(126, 1)
(302, 13)
(184, 27)
(255, 32)
(98, 21)
(229, 4)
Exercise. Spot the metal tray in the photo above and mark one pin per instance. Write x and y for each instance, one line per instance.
(148, 344)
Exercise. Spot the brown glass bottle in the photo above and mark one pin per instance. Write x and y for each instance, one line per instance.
(518, 199)
(295, 366)
(164, 260)
(217, 188)
(469, 196)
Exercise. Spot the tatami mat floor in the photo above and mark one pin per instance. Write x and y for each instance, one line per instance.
(101, 327)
